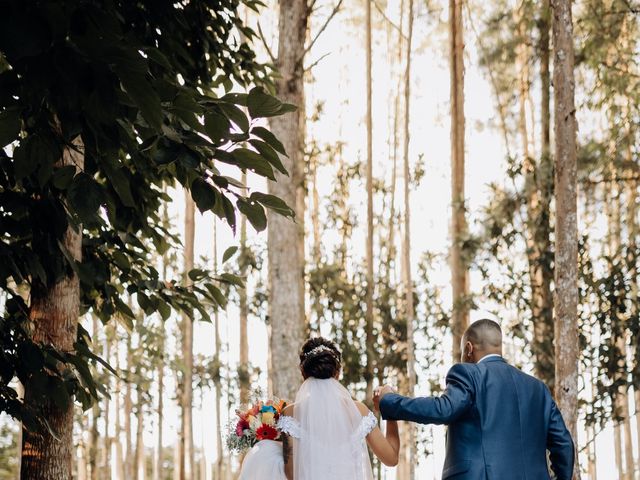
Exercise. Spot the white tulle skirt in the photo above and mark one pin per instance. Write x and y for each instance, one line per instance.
(264, 462)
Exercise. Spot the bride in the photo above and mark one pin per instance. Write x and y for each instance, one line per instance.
(326, 432)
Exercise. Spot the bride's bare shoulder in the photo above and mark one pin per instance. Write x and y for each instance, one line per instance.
(364, 410)
(288, 410)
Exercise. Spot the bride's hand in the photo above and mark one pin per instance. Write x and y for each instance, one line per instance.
(380, 392)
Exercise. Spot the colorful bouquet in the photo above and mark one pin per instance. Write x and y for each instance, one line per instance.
(255, 424)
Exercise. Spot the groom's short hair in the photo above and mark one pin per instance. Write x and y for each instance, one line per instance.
(484, 334)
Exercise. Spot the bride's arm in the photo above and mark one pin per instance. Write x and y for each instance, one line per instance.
(287, 447)
(384, 446)
(287, 452)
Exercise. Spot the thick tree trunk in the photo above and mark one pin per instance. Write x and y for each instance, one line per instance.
(407, 464)
(459, 271)
(54, 313)
(187, 467)
(369, 338)
(286, 259)
(566, 253)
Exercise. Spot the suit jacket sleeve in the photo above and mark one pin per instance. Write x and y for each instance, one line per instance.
(456, 400)
(560, 445)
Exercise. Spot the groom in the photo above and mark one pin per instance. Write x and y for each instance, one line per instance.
(501, 421)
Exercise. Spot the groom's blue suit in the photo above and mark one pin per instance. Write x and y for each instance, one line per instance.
(501, 423)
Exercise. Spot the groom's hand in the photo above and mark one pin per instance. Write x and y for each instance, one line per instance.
(379, 393)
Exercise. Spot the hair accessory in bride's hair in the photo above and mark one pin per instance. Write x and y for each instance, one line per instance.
(319, 349)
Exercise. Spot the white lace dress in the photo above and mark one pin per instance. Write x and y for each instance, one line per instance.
(264, 462)
(329, 433)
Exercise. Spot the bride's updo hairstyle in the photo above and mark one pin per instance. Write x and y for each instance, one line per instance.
(320, 358)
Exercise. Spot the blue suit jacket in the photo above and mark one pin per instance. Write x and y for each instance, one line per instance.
(501, 423)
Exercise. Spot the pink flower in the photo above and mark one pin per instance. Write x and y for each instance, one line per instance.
(241, 427)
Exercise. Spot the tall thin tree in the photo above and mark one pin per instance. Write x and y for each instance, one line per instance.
(217, 360)
(187, 470)
(566, 231)
(410, 450)
(243, 366)
(459, 271)
(369, 339)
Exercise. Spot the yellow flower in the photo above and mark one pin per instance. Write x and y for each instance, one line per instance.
(268, 418)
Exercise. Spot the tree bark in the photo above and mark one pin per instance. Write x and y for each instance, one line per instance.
(566, 254)
(119, 464)
(54, 313)
(408, 457)
(157, 465)
(129, 457)
(139, 468)
(286, 258)
(187, 470)
(243, 367)
(217, 360)
(369, 339)
(459, 271)
(94, 435)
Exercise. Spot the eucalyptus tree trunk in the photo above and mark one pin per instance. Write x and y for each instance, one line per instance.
(187, 469)
(369, 338)
(286, 238)
(406, 467)
(217, 360)
(128, 411)
(118, 460)
(459, 271)
(637, 398)
(54, 313)
(140, 466)
(157, 464)
(106, 459)
(566, 254)
(243, 367)
(94, 435)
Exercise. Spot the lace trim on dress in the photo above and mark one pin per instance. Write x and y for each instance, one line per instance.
(367, 424)
(290, 426)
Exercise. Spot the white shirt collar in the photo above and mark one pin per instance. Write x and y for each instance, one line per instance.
(489, 356)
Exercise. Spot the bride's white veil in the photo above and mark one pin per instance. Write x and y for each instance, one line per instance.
(331, 443)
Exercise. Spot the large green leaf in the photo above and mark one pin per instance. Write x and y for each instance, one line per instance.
(85, 196)
(144, 96)
(9, 126)
(261, 104)
(270, 154)
(254, 213)
(236, 115)
(270, 138)
(203, 194)
(273, 203)
(250, 160)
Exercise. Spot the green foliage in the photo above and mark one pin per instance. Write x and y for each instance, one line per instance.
(134, 87)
